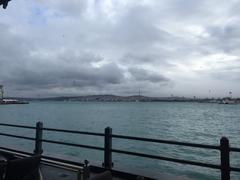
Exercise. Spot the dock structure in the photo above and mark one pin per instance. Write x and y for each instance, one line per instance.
(57, 167)
(4, 101)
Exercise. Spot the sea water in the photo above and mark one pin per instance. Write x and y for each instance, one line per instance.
(188, 122)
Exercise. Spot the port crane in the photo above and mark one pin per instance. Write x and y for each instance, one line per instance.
(4, 3)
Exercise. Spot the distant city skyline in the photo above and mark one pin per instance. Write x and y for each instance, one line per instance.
(162, 48)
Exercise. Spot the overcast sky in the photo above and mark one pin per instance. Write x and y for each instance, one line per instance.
(80, 47)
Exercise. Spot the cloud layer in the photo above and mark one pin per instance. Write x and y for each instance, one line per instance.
(76, 47)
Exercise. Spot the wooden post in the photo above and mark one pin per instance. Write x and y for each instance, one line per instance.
(108, 148)
(225, 163)
(38, 142)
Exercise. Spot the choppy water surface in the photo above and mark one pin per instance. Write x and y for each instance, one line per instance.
(188, 122)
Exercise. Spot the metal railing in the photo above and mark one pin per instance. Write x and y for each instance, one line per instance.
(224, 147)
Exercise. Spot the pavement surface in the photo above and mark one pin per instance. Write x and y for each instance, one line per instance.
(56, 173)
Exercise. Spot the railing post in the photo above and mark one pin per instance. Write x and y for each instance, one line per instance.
(38, 142)
(108, 149)
(225, 163)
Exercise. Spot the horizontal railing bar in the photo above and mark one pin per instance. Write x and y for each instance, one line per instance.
(235, 149)
(235, 169)
(15, 151)
(17, 136)
(62, 160)
(43, 156)
(125, 137)
(8, 150)
(73, 131)
(167, 142)
(213, 166)
(18, 126)
(73, 144)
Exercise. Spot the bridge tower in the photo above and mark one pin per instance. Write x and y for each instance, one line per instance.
(1, 93)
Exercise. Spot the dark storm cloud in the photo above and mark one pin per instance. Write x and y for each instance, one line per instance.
(47, 75)
(64, 76)
(26, 68)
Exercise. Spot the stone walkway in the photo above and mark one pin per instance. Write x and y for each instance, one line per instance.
(56, 173)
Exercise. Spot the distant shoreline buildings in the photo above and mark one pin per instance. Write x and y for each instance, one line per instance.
(115, 98)
(137, 98)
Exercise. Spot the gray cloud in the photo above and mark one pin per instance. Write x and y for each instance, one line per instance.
(70, 71)
(84, 47)
(144, 75)
(24, 68)
(226, 37)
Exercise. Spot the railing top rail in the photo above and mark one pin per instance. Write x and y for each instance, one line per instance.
(73, 131)
(54, 129)
(234, 149)
(73, 144)
(18, 126)
(166, 142)
(16, 151)
(17, 136)
(235, 169)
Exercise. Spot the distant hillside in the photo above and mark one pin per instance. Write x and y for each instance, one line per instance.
(109, 98)
(134, 98)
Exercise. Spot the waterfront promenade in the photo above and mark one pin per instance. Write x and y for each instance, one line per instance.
(57, 173)
(225, 168)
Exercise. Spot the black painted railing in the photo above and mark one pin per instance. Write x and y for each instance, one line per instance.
(224, 147)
